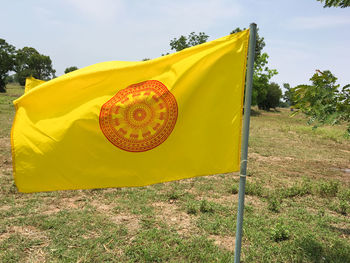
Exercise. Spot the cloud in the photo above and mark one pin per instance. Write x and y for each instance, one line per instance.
(319, 22)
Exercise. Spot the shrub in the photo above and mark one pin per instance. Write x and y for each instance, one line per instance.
(298, 190)
(328, 189)
(344, 195)
(253, 189)
(274, 203)
(344, 207)
(280, 232)
(234, 189)
(192, 208)
(206, 207)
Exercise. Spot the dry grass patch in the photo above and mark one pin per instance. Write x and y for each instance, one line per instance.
(170, 214)
(226, 242)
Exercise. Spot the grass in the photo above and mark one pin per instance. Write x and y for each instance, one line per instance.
(297, 206)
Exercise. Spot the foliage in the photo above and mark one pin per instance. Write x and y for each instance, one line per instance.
(288, 95)
(322, 101)
(193, 39)
(274, 203)
(262, 73)
(7, 54)
(70, 69)
(206, 207)
(253, 189)
(328, 188)
(272, 97)
(234, 189)
(29, 62)
(280, 232)
(335, 3)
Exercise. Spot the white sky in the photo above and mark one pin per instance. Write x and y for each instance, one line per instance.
(301, 36)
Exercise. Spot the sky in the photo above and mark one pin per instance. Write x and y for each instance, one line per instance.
(301, 36)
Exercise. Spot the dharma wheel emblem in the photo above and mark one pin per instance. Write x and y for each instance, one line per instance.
(139, 117)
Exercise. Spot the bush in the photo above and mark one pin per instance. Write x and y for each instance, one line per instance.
(344, 207)
(274, 203)
(323, 101)
(253, 189)
(192, 208)
(206, 207)
(298, 190)
(234, 189)
(328, 189)
(273, 97)
(280, 232)
(344, 195)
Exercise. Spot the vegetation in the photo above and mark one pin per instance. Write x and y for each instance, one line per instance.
(183, 42)
(322, 101)
(25, 62)
(272, 98)
(335, 3)
(297, 206)
(7, 54)
(70, 69)
(288, 95)
(29, 62)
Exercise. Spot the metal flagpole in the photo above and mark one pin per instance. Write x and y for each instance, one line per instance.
(245, 136)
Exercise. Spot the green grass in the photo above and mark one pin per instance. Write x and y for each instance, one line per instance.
(297, 206)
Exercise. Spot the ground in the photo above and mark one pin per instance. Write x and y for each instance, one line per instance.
(297, 206)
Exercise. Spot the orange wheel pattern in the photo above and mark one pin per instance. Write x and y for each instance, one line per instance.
(139, 117)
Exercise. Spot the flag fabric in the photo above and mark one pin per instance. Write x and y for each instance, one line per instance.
(32, 83)
(125, 124)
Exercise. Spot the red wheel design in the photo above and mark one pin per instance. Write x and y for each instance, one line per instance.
(139, 117)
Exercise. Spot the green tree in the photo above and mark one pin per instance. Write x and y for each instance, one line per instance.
(335, 3)
(272, 98)
(322, 101)
(7, 62)
(288, 95)
(191, 40)
(29, 62)
(262, 73)
(70, 69)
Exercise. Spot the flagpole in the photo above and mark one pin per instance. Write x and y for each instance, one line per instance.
(245, 137)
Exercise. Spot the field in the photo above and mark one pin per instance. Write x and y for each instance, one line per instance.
(297, 206)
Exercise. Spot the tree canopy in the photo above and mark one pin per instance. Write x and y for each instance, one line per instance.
(7, 62)
(191, 40)
(29, 62)
(323, 101)
(70, 69)
(335, 3)
(288, 95)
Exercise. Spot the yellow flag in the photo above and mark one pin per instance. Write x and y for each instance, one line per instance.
(123, 124)
(32, 83)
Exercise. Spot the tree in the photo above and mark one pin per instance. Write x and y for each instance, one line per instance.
(288, 95)
(335, 3)
(70, 69)
(183, 42)
(322, 101)
(29, 62)
(7, 55)
(272, 98)
(262, 74)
